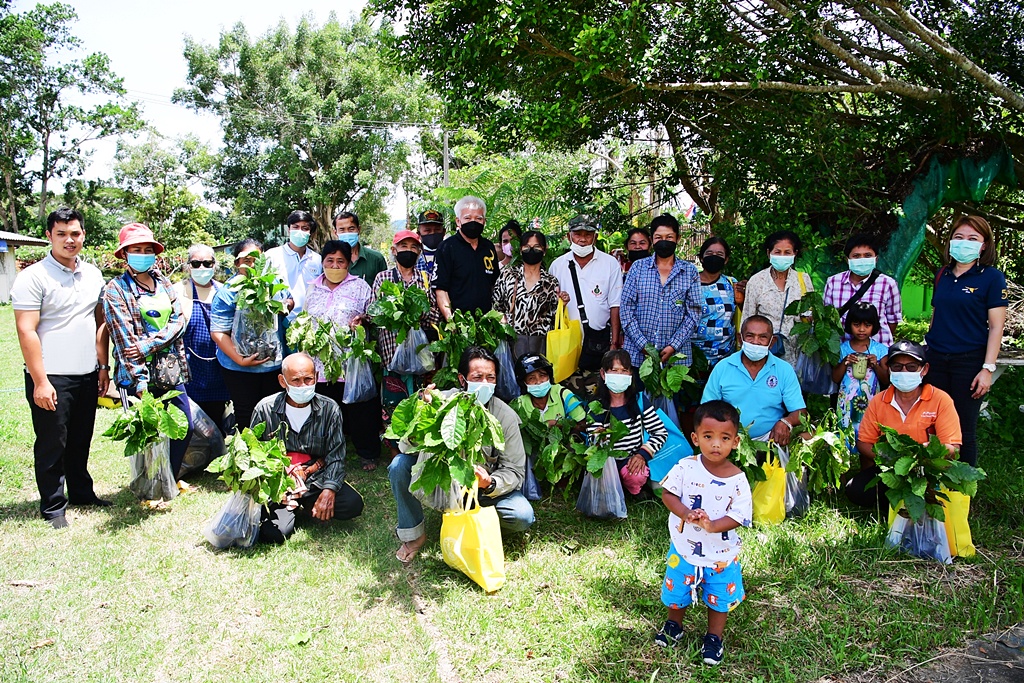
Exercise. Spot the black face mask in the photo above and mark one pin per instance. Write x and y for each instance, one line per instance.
(713, 263)
(664, 248)
(471, 230)
(406, 259)
(637, 254)
(432, 241)
(532, 257)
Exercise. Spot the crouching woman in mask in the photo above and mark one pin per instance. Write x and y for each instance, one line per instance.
(500, 478)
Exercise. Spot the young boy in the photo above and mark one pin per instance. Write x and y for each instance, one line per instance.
(709, 498)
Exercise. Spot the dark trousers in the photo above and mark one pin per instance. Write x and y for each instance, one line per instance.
(278, 522)
(246, 390)
(62, 441)
(362, 422)
(859, 494)
(953, 373)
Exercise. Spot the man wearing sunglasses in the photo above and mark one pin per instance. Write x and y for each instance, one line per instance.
(206, 387)
(908, 406)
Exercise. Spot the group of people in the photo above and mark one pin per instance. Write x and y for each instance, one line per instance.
(179, 337)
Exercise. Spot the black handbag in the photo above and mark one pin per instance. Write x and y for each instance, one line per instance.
(166, 372)
(596, 343)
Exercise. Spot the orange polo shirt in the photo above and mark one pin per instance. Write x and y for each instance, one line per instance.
(932, 414)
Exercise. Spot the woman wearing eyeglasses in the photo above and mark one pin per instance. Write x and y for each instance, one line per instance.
(196, 294)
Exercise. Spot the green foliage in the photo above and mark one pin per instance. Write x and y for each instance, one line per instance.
(463, 330)
(148, 420)
(823, 334)
(663, 380)
(747, 455)
(916, 474)
(318, 338)
(826, 453)
(356, 344)
(1002, 420)
(453, 431)
(301, 110)
(399, 308)
(258, 288)
(254, 466)
(914, 330)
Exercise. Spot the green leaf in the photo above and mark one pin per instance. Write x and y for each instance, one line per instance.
(453, 428)
(904, 465)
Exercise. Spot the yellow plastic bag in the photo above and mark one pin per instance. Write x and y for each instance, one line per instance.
(565, 344)
(958, 530)
(770, 495)
(471, 543)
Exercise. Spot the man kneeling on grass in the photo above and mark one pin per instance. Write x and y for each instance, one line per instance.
(709, 497)
(311, 427)
(499, 479)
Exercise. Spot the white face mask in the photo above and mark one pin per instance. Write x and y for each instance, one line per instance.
(482, 390)
(617, 383)
(301, 395)
(582, 251)
(755, 352)
(905, 381)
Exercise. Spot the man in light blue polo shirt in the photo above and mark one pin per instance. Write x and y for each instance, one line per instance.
(764, 388)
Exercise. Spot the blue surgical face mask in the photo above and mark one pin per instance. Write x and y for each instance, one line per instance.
(301, 395)
(905, 381)
(202, 276)
(781, 263)
(862, 266)
(539, 390)
(965, 251)
(754, 352)
(140, 263)
(349, 238)
(482, 390)
(298, 238)
(617, 383)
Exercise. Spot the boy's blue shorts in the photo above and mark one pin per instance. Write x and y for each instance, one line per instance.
(721, 585)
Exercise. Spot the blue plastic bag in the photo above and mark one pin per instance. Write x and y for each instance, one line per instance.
(531, 487)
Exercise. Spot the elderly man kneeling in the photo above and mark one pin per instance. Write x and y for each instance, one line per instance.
(499, 480)
(311, 427)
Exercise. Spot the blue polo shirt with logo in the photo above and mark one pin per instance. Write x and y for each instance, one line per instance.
(961, 305)
(763, 400)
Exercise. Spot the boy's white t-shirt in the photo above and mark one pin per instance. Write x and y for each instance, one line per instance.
(718, 497)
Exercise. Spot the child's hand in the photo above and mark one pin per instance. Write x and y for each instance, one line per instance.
(697, 517)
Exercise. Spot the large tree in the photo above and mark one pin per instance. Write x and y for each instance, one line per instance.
(308, 117)
(783, 111)
(45, 130)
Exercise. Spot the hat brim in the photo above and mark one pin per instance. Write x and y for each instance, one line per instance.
(157, 247)
(583, 228)
(917, 357)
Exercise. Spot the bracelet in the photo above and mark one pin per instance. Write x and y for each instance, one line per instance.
(786, 422)
(102, 367)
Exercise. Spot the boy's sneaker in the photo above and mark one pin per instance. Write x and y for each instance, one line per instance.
(712, 650)
(669, 635)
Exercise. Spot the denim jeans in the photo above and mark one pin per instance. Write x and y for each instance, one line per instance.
(514, 512)
(953, 373)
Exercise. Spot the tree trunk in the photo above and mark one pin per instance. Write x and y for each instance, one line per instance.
(324, 227)
(44, 176)
(12, 224)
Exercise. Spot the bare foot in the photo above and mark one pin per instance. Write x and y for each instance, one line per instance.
(369, 465)
(408, 551)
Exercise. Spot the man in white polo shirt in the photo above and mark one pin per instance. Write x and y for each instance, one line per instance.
(296, 263)
(66, 350)
(597, 277)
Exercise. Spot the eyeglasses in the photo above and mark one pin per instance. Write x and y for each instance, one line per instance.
(904, 367)
(202, 264)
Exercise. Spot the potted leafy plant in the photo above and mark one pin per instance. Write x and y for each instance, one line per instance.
(146, 428)
(256, 473)
(400, 310)
(254, 330)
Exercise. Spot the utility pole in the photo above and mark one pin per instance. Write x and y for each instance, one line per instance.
(446, 158)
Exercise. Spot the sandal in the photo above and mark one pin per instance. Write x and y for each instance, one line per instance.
(405, 554)
(369, 465)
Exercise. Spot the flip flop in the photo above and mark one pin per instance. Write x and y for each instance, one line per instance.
(408, 556)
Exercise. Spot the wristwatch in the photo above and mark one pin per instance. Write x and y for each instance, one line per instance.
(102, 367)
(991, 367)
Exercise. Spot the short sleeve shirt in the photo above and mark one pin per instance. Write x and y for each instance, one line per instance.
(370, 263)
(222, 318)
(961, 305)
(468, 275)
(718, 497)
(933, 413)
(66, 301)
(558, 398)
(600, 285)
(763, 400)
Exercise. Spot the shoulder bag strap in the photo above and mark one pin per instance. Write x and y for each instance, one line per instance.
(579, 296)
(864, 287)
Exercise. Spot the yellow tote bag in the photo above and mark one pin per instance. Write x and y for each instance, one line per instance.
(770, 495)
(958, 530)
(471, 543)
(564, 344)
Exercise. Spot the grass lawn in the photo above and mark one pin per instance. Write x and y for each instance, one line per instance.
(127, 594)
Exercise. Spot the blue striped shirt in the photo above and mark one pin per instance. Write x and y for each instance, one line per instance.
(663, 315)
